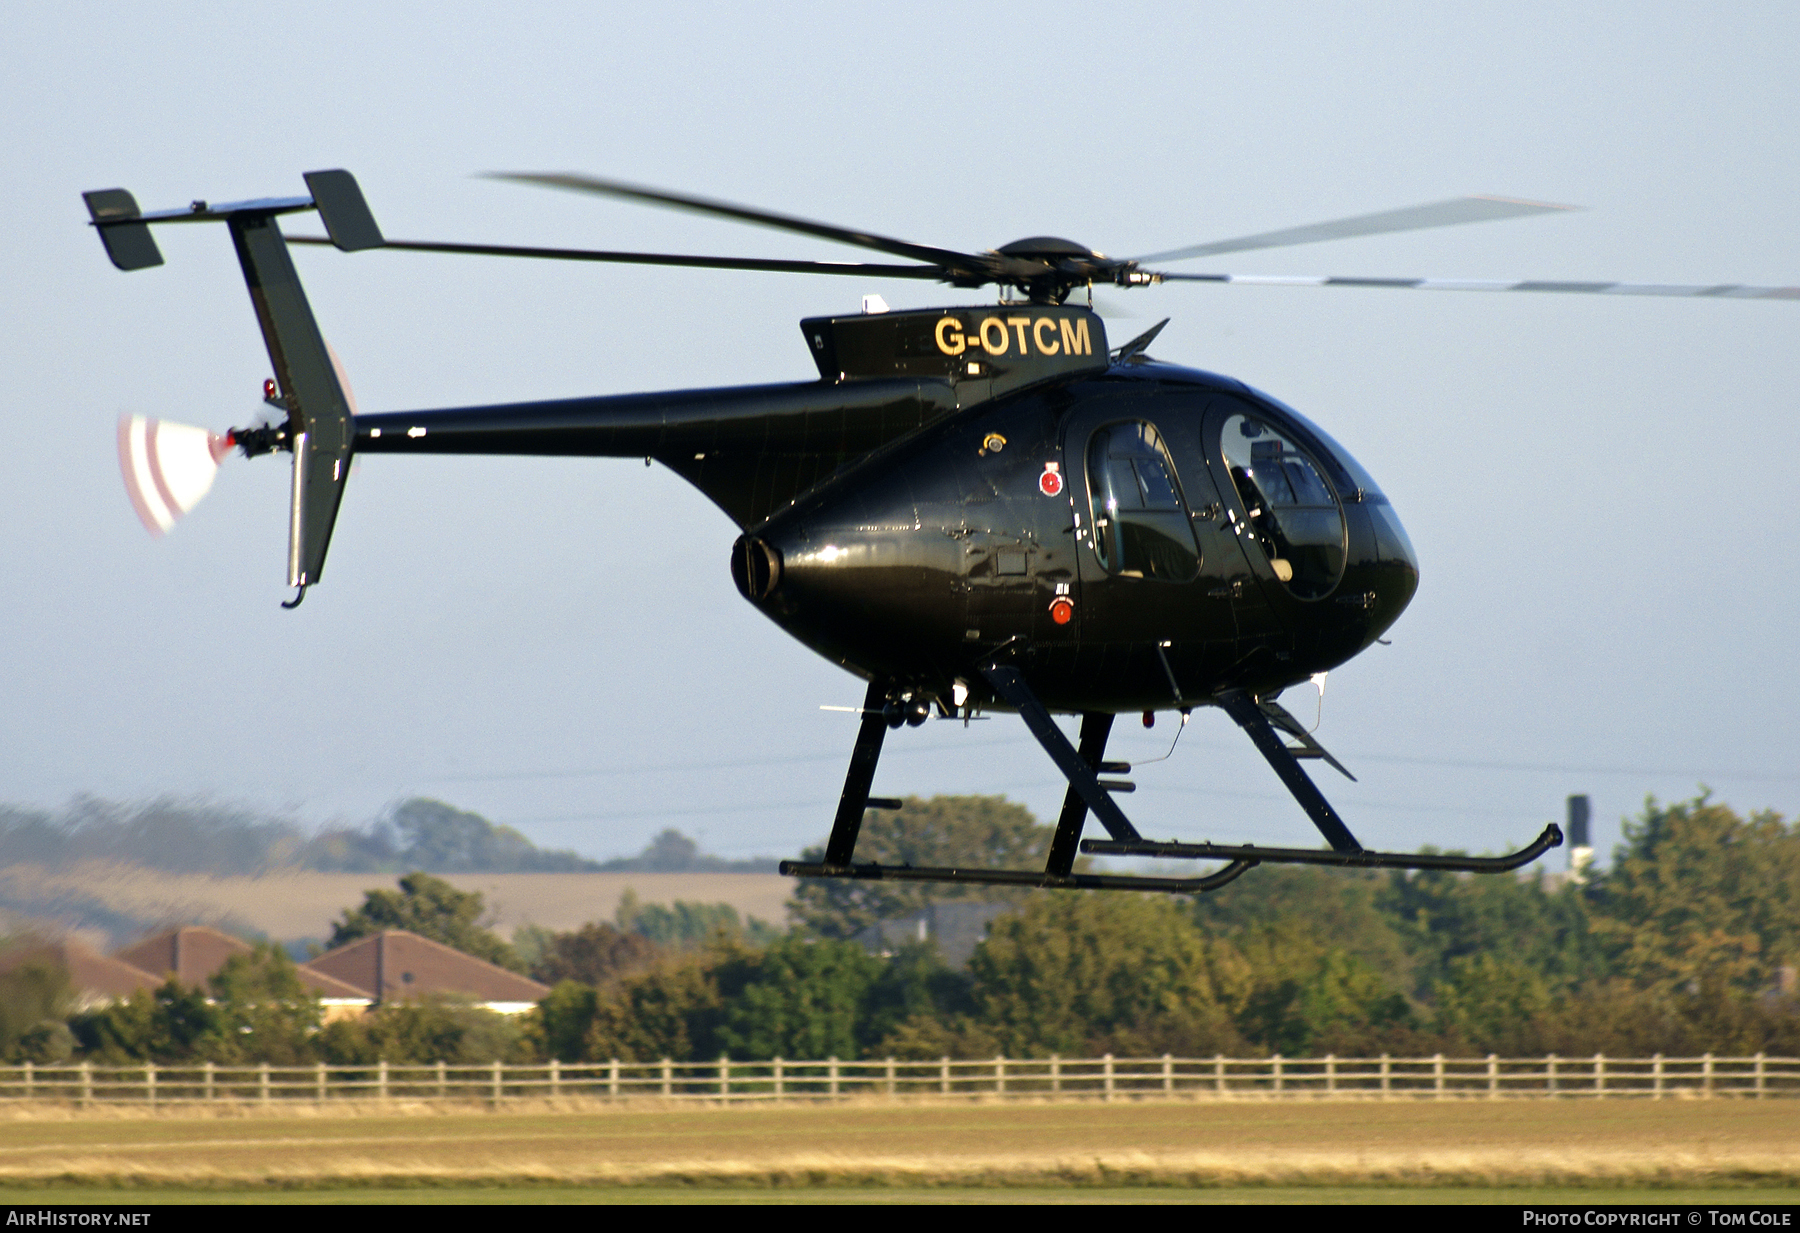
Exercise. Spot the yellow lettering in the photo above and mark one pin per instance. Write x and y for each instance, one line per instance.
(950, 336)
(1020, 325)
(1075, 336)
(1037, 332)
(992, 347)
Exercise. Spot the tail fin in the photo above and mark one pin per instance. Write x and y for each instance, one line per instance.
(319, 428)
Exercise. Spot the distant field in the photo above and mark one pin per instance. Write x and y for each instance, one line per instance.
(1628, 1148)
(300, 904)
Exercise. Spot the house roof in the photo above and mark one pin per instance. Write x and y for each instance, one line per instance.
(93, 976)
(194, 953)
(398, 964)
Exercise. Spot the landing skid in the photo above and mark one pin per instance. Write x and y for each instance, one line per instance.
(1088, 792)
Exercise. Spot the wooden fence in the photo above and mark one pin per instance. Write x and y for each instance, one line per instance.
(1102, 1078)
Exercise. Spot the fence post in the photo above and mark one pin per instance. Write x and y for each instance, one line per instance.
(890, 1076)
(1599, 1076)
(1055, 1074)
(207, 1074)
(1275, 1069)
(1219, 1073)
(1330, 1074)
(1107, 1071)
(87, 1083)
(612, 1079)
(381, 1080)
(26, 1069)
(833, 1073)
(1550, 1073)
(1656, 1077)
(319, 1082)
(1168, 1073)
(779, 1085)
(999, 1075)
(1386, 1074)
(262, 1083)
(668, 1078)
(1437, 1076)
(150, 1083)
(724, 1077)
(498, 1089)
(1706, 1072)
(944, 1076)
(1493, 1075)
(1759, 1075)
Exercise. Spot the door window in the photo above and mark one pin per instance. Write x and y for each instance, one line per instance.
(1140, 522)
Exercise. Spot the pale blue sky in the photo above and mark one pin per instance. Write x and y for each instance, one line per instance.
(1601, 491)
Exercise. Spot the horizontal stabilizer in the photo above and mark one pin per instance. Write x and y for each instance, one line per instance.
(346, 215)
(127, 243)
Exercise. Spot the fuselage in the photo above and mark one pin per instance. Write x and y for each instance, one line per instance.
(962, 485)
(1133, 540)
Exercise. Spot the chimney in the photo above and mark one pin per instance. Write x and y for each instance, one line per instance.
(1581, 846)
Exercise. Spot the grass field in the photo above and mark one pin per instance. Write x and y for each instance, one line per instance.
(292, 903)
(1263, 1151)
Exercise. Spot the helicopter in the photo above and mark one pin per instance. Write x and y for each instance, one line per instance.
(983, 508)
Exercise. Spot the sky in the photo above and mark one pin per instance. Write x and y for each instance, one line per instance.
(1600, 490)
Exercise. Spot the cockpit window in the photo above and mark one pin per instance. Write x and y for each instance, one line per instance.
(1140, 522)
(1295, 517)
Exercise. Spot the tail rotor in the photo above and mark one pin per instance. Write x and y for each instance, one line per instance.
(167, 467)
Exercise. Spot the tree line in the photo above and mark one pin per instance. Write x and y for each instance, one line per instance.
(415, 834)
(1685, 944)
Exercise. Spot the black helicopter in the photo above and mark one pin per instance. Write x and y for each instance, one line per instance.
(974, 508)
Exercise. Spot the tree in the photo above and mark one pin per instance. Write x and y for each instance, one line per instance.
(1494, 1004)
(564, 1017)
(442, 837)
(1446, 917)
(686, 923)
(263, 1012)
(175, 1022)
(977, 831)
(1309, 996)
(1077, 973)
(35, 1005)
(432, 1030)
(1698, 896)
(673, 852)
(595, 954)
(670, 1011)
(1343, 907)
(431, 908)
(801, 997)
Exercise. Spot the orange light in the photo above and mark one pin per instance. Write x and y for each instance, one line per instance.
(1061, 610)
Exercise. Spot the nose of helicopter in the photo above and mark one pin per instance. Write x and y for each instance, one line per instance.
(1397, 564)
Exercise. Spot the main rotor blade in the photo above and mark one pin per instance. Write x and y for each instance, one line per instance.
(744, 214)
(1450, 213)
(1729, 291)
(865, 269)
